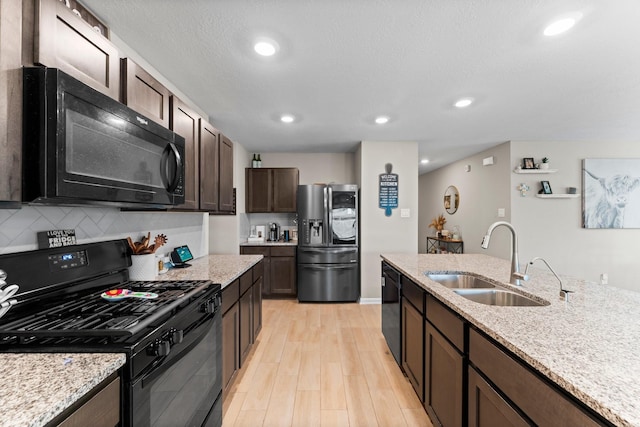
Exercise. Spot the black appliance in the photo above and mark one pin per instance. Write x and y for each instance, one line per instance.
(180, 256)
(80, 146)
(391, 310)
(328, 257)
(173, 343)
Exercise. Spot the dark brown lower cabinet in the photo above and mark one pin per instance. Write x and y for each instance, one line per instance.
(100, 407)
(533, 396)
(246, 325)
(278, 271)
(487, 408)
(230, 346)
(257, 308)
(443, 368)
(413, 346)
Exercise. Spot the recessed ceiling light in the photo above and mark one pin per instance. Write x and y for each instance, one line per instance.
(381, 120)
(463, 102)
(265, 47)
(287, 118)
(424, 161)
(562, 25)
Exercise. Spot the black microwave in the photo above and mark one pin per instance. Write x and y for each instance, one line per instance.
(83, 147)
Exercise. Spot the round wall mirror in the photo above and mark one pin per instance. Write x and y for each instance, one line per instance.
(451, 199)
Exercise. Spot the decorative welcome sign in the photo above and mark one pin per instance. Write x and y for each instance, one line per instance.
(388, 190)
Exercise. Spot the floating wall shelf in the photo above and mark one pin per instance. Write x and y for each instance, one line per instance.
(557, 196)
(525, 171)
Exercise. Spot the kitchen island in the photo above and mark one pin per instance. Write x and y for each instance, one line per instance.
(588, 347)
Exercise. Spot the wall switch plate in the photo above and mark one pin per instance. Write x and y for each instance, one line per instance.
(604, 279)
(501, 212)
(487, 161)
(467, 168)
(405, 213)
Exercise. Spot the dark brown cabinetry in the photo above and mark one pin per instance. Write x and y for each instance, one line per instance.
(230, 334)
(271, 189)
(530, 394)
(10, 105)
(100, 407)
(279, 275)
(208, 161)
(186, 123)
(487, 408)
(143, 93)
(65, 41)
(413, 335)
(241, 321)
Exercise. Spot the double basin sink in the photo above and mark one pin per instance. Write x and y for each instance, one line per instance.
(482, 291)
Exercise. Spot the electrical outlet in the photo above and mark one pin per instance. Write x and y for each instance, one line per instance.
(501, 212)
(604, 279)
(405, 213)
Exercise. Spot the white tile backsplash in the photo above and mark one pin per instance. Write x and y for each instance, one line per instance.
(18, 227)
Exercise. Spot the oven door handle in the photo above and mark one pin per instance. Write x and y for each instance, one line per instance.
(164, 363)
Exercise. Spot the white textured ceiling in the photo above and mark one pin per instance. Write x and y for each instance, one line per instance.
(343, 62)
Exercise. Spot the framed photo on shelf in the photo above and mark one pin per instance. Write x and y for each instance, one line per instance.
(528, 163)
(546, 187)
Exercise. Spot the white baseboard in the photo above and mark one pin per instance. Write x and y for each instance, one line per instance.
(370, 300)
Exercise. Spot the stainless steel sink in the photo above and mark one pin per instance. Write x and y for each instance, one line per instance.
(500, 297)
(460, 281)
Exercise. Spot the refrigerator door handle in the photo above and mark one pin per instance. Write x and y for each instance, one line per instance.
(330, 216)
(325, 231)
(327, 266)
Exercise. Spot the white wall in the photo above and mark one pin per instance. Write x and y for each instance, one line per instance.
(314, 167)
(552, 228)
(482, 190)
(379, 233)
(225, 230)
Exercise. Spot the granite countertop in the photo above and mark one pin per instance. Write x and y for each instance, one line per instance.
(267, 243)
(222, 269)
(37, 387)
(589, 346)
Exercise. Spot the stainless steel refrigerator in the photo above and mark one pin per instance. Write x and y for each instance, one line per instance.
(328, 257)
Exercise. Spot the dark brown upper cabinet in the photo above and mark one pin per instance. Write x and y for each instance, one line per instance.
(271, 189)
(227, 202)
(209, 167)
(186, 123)
(66, 41)
(143, 93)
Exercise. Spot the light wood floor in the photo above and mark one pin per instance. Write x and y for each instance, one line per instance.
(321, 365)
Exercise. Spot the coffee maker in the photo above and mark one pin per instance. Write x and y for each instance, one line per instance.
(274, 232)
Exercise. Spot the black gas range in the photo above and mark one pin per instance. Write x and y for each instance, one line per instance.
(79, 299)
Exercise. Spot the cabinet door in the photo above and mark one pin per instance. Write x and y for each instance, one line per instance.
(143, 93)
(283, 275)
(10, 102)
(246, 325)
(285, 188)
(259, 190)
(230, 346)
(185, 122)
(413, 346)
(63, 40)
(226, 175)
(209, 167)
(443, 368)
(266, 265)
(487, 408)
(257, 308)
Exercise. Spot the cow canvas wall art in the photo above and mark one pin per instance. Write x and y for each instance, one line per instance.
(611, 193)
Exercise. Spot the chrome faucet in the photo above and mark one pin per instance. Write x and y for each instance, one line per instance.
(564, 294)
(515, 276)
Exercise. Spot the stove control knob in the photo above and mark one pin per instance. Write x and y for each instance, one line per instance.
(159, 348)
(209, 306)
(176, 336)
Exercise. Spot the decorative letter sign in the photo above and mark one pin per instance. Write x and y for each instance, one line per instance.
(388, 190)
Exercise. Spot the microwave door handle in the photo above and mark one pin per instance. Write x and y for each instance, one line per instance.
(171, 148)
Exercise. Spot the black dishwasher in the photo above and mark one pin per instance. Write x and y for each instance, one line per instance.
(391, 310)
